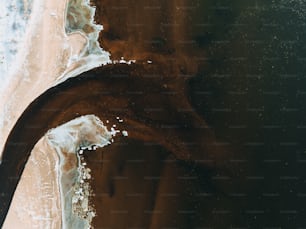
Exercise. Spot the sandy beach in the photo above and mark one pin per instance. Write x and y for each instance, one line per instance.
(36, 203)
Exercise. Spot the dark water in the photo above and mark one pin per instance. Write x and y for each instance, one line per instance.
(224, 98)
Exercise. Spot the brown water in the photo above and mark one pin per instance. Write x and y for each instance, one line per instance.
(216, 124)
(245, 62)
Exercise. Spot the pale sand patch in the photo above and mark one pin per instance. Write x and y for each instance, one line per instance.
(36, 202)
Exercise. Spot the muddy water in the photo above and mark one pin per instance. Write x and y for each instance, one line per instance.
(245, 62)
(216, 123)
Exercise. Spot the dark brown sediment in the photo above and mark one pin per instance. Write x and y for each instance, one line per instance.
(118, 90)
(245, 62)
